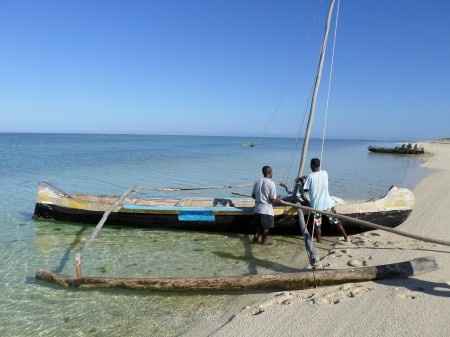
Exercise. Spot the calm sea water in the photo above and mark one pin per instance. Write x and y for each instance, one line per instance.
(107, 164)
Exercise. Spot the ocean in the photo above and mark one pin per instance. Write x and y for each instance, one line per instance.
(110, 164)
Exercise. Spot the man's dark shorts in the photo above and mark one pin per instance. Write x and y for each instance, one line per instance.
(266, 221)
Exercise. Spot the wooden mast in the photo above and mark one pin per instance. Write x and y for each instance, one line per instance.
(312, 107)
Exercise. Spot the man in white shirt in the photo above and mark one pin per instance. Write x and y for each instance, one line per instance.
(265, 195)
(316, 185)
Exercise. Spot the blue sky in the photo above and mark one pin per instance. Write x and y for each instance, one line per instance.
(223, 67)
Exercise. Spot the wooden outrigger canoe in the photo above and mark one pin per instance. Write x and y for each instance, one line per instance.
(396, 150)
(267, 282)
(208, 214)
(234, 215)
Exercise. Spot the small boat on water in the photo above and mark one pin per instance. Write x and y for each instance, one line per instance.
(404, 149)
(208, 214)
(248, 144)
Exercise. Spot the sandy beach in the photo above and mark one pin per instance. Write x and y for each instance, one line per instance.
(417, 306)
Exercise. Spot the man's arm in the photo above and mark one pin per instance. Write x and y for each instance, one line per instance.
(274, 200)
(304, 187)
(285, 188)
(254, 191)
(306, 183)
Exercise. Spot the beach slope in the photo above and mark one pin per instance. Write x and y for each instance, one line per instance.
(408, 307)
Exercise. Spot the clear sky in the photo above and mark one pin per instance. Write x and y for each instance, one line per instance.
(234, 67)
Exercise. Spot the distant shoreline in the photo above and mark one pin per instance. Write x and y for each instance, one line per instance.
(218, 136)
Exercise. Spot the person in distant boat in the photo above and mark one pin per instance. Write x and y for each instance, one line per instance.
(265, 195)
(316, 186)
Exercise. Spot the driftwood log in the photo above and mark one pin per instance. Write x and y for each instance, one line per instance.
(272, 282)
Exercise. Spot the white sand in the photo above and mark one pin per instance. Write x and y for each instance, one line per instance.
(413, 307)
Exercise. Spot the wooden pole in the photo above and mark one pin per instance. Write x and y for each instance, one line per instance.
(105, 216)
(268, 282)
(99, 227)
(312, 108)
(361, 222)
(370, 224)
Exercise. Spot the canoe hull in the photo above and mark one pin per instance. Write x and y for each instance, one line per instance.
(242, 223)
(234, 215)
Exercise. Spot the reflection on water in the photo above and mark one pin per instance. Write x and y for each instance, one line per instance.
(110, 164)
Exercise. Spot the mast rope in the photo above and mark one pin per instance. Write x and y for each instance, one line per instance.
(179, 187)
(330, 79)
(144, 189)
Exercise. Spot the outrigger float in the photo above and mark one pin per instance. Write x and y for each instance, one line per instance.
(268, 282)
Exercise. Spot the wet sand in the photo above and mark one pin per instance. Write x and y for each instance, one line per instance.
(417, 306)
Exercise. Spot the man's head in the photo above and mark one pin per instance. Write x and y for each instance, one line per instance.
(267, 171)
(315, 164)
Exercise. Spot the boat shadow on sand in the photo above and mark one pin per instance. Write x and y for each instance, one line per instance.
(415, 285)
(440, 289)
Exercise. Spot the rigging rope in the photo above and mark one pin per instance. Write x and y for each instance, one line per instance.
(182, 187)
(144, 189)
(330, 79)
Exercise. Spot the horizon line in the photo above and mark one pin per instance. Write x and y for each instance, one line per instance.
(201, 135)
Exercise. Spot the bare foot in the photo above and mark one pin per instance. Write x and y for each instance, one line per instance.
(267, 240)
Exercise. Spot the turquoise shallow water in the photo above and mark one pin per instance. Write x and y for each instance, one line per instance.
(110, 164)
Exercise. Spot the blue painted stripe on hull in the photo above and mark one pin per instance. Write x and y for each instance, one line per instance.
(197, 216)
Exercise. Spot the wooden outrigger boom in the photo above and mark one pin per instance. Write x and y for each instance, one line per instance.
(271, 282)
(370, 225)
(99, 227)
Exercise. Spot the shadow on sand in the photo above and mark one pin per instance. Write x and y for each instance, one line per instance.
(427, 287)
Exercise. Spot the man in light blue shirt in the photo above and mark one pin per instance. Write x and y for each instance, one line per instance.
(316, 185)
